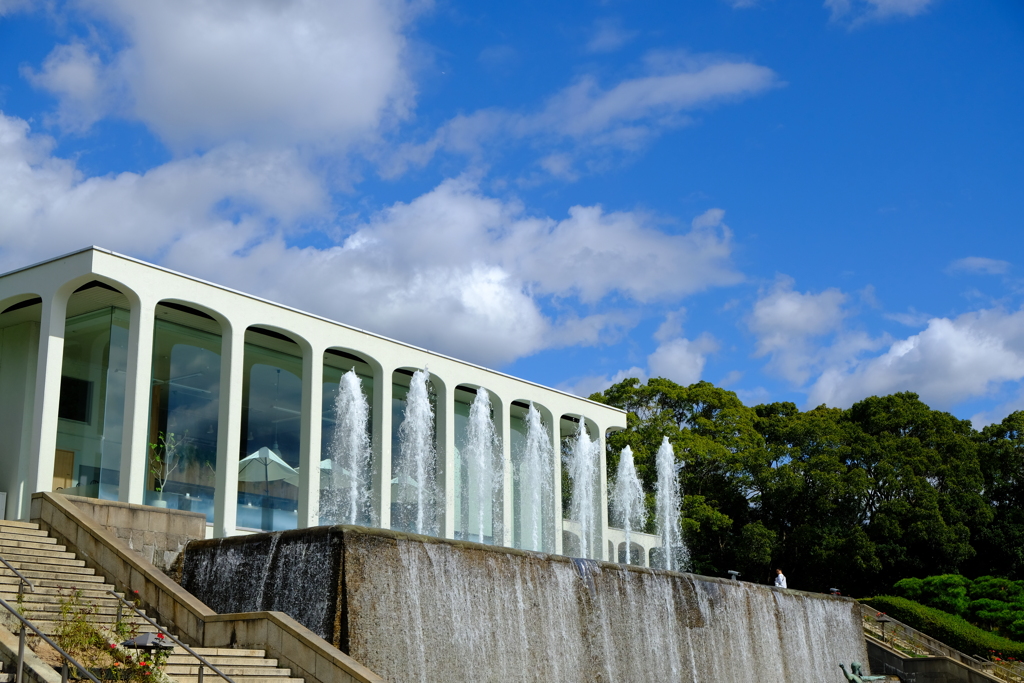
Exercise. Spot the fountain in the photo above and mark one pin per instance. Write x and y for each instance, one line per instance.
(668, 502)
(416, 608)
(582, 462)
(535, 482)
(627, 499)
(417, 456)
(349, 454)
(478, 459)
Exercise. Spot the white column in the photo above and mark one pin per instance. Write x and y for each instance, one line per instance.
(382, 390)
(137, 395)
(503, 415)
(556, 474)
(47, 398)
(602, 497)
(229, 425)
(446, 457)
(309, 443)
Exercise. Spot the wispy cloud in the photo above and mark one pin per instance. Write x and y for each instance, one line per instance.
(857, 12)
(608, 35)
(979, 264)
(585, 116)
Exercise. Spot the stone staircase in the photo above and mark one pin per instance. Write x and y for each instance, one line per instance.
(57, 574)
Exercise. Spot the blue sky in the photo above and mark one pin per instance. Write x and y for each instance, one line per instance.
(805, 201)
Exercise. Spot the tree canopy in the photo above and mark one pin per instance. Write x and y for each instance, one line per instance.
(853, 499)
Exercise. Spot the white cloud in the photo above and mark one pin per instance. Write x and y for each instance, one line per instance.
(676, 358)
(786, 321)
(998, 413)
(682, 360)
(74, 74)
(50, 208)
(608, 36)
(454, 270)
(948, 362)
(979, 264)
(586, 115)
(591, 384)
(200, 73)
(861, 11)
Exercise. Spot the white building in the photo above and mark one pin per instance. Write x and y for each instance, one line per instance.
(101, 354)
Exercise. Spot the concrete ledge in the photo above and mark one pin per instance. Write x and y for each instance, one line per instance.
(293, 645)
(884, 660)
(35, 668)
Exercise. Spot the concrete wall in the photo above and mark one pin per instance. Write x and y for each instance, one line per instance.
(157, 534)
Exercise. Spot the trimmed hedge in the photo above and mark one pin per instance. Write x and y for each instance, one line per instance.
(948, 628)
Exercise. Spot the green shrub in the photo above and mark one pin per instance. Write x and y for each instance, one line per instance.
(952, 630)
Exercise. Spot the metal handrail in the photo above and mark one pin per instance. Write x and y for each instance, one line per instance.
(21, 648)
(202, 660)
(24, 581)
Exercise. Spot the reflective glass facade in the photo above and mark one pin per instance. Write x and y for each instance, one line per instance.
(184, 410)
(91, 413)
(268, 491)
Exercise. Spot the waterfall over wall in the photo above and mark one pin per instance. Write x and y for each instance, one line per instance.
(414, 608)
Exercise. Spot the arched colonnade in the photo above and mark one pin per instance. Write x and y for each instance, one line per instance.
(243, 342)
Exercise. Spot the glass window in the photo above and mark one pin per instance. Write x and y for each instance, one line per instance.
(184, 411)
(91, 410)
(268, 479)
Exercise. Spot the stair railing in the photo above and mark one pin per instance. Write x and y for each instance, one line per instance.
(203, 662)
(24, 583)
(22, 636)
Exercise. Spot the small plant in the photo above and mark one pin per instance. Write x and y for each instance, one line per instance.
(165, 456)
(75, 633)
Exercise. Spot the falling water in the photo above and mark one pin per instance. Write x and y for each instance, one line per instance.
(350, 453)
(418, 609)
(582, 463)
(478, 457)
(627, 498)
(667, 504)
(417, 463)
(535, 481)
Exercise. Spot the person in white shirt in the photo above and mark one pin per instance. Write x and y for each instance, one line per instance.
(780, 579)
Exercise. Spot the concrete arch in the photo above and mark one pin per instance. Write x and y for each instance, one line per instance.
(16, 299)
(222, 320)
(376, 368)
(637, 553)
(546, 416)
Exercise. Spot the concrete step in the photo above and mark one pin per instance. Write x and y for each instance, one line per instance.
(68, 569)
(90, 592)
(9, 544)
(210, 677)
(35, 555)
(30, 535)
(18, 525)
(58, 579)
(222, 661)
(176, 670)
(50, 627)
(220, 652)
(39, 610)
